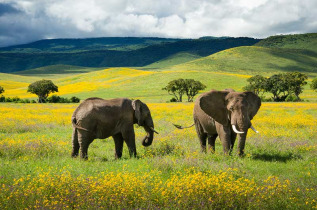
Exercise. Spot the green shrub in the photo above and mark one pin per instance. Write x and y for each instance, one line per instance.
(58, 99)
(16, 99)
(2, 98)
(8, 99)
(53, 99)
(75, 99)
(292, 98)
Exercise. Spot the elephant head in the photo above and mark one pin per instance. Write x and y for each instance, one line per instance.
(235, 109)
(143, 118)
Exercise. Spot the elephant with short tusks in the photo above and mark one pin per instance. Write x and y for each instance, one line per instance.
(96, 118)
(224, 114)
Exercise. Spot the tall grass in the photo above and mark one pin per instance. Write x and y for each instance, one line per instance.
(279, 169)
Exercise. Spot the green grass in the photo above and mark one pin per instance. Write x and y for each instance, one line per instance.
(56, 71)
(171, 61)
(43, 157)
(256, 60)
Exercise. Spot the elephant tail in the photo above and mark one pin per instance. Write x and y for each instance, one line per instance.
(181, 127)
(74, 122)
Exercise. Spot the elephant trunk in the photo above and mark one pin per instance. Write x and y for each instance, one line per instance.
(149, 128)
(240, 124)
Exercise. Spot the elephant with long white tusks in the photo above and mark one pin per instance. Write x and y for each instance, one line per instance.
(225, 114)
(96, 118)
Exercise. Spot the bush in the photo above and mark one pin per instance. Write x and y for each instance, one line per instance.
(58, 99)
(16, 99)
(173, 100)
(53, 99)
(26, 101)
(74, 99)
(292, 98)
(2, 98)
(8, 99)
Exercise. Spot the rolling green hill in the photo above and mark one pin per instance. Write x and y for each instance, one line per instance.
(226, 69)
(256, 60)
(296, 41)
(104, 57)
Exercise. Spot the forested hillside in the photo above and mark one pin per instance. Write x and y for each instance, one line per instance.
(118, 55)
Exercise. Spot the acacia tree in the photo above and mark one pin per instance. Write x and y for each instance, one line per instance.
(192, 87)
(1, 90)
(296, 82)
(179, 87)
(42, 89)
(313, 84)
(256, 84)
(277, 85)
(176, 88)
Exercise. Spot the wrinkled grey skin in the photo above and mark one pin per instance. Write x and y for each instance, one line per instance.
(216, 111)
(96, 118)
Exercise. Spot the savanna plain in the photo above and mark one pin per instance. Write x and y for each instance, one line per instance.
(279, 170)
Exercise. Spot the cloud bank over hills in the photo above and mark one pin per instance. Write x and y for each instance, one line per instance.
(23, 21)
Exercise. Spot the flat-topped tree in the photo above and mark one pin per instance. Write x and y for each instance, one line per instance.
(1, 90)
(313, 84)
(42, 89)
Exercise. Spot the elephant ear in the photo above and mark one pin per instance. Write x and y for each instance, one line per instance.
(213, 104)
(254, 102)
(136, 104)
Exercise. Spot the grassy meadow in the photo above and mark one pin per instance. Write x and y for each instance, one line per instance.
(279, 170)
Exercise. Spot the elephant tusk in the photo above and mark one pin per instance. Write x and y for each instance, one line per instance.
(235, 129)
(152, 129)
(254, 129)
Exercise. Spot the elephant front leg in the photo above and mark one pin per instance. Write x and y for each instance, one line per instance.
(224, 133)
(233, 139)
(129, 138)
(241, 143)
(118, 141)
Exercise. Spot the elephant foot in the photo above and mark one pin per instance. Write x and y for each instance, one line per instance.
(74, 154)
(241, 154)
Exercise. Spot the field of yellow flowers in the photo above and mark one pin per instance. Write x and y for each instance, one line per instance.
(279, 170)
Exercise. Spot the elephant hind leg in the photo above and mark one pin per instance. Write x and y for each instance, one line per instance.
(211, 143)
(201, 135)
(75, 143)
(118, 141)
(84, 139)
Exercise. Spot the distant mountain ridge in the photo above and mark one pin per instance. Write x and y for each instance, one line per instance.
(86, 44)
(110, 52)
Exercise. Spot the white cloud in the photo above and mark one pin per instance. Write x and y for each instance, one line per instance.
(37, 19)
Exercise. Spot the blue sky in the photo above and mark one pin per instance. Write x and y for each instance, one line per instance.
(23, 21)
